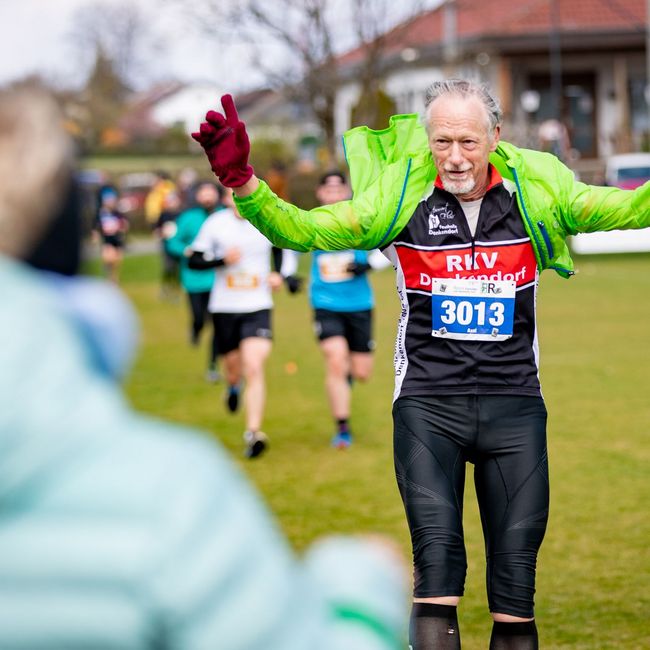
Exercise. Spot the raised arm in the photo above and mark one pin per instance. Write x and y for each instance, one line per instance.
(360, 223)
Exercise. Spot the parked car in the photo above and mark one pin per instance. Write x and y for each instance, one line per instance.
(627, 171)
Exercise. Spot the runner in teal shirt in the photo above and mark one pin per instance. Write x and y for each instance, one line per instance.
(197, 283)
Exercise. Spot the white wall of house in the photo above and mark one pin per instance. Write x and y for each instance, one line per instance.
(406, 86)
(609, 111)
(188, 106)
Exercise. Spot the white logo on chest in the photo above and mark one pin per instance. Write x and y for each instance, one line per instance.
(437, 216)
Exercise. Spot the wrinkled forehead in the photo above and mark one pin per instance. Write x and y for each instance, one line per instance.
(454, 111)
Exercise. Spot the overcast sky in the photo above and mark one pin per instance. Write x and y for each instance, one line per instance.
(35, 37)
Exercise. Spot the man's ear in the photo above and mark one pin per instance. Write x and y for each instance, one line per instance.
(496, 137)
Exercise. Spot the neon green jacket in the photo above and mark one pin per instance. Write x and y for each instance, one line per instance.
(392, 170)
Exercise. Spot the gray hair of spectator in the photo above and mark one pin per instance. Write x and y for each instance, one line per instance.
(464, 89)
(36, 162)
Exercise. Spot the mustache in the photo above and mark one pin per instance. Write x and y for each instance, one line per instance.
(455, 168)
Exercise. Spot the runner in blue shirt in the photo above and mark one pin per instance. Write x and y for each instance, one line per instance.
(342, 300)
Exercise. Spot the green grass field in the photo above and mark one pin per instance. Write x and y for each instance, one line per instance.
(594, 567)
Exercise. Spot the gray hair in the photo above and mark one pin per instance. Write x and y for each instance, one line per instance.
(35, 164)
(464, 89)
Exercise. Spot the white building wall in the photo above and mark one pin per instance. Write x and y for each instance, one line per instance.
(406, 87)
(188, 106)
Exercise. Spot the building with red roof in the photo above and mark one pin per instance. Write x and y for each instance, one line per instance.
(582, 62)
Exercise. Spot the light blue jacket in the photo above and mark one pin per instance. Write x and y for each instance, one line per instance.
(122, 531)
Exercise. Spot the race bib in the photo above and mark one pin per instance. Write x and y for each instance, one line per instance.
(242, 281)
(110, 225)
(474, 310)
(333, 267)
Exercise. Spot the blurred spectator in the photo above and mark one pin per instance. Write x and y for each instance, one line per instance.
(165, 228)
(186, 182)
(554, 138)
(110, 228)
(277, 179)
(153, 204)
(118, 530)
(196, 282)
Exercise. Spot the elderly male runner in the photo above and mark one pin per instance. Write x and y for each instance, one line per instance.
(469, 223)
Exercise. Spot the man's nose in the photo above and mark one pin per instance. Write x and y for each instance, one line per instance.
(456, 154)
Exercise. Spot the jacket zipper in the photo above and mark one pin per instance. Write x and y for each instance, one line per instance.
(546, 237)
(529, 221)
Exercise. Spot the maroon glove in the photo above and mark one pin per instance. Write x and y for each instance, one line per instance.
(225, 142)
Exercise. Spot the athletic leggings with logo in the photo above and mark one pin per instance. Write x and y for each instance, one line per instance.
(504, 437)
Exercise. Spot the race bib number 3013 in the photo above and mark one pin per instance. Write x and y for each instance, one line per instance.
(475, 310)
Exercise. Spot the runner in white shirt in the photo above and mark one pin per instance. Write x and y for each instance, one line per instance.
(240, 304)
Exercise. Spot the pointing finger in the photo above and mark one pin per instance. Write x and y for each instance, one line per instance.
(229, 109)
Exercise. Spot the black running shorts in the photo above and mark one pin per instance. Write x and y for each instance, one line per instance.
(231, 329)
(504, 437)
(354, 326)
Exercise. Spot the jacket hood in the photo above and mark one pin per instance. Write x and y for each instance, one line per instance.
(58, 362)
(369, 151)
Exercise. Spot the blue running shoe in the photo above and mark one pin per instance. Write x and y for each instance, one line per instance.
(342, 440)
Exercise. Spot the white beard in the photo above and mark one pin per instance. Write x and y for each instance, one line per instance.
(459, 188)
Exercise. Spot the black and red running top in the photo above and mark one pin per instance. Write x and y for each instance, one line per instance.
(437, 245)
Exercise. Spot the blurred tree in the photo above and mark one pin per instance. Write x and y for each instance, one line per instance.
(123, 32)
(307, 38)
(117, 37)
(103, 98)
(267, 151)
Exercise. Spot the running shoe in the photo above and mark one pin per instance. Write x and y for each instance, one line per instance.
(342, 439)
(232, 398)
(212, 376)
(256, 443)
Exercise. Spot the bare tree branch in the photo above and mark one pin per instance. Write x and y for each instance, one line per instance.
(308, 34)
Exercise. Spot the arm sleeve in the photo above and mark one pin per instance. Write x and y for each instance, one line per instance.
(591, 208)
(285, 261)
(200, 261)
(276, 258)
(205, 242)
(378, 260)
(339, 226)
